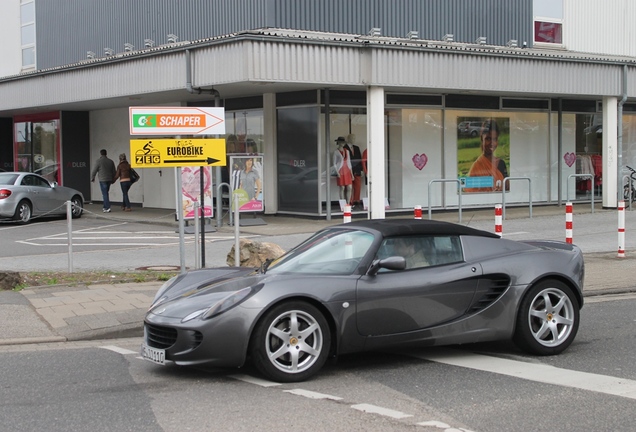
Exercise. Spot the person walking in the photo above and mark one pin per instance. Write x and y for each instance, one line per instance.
(123, 174)
(105, 167)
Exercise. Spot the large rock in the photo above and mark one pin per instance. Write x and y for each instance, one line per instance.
(9, 280)
(254, 254)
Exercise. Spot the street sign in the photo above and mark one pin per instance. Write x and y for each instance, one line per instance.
(176, 121)
(155, 153)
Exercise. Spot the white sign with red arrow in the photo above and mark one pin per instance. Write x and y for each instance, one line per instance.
(177, 121)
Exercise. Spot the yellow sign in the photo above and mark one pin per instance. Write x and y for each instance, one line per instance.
(155, 153)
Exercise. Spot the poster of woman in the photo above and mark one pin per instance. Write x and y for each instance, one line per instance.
(483, 153)
(191, 191)
(246, 180)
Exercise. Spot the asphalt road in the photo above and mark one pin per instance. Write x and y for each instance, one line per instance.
(105, 386)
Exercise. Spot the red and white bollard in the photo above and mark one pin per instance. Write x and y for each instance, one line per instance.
(418, 212)
(347, 214)
(498, 220)
(621, 229)
(568, 222)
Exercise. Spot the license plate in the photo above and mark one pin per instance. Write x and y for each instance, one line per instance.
(154, 355)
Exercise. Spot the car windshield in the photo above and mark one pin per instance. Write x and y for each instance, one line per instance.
(331, 252)
(8, 178)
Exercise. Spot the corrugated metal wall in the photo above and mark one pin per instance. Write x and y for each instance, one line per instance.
(602, 27)
(316, 64)
(66, 30)
(497, 20)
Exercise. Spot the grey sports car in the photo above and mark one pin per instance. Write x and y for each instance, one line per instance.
(370, 285)
(26, 195)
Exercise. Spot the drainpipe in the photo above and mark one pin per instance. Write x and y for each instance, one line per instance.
(217, 169)
(619, 141)
(198, 90)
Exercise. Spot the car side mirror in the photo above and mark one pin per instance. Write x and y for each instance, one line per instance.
(390, 263)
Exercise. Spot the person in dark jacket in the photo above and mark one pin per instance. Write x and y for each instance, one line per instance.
(123, 174)
(105, 167)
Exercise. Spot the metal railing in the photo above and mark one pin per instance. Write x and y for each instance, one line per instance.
(459, 188)
(219, 204)
(567, 189)
(503, 194)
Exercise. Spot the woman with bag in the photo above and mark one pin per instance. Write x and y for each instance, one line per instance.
(124, 175)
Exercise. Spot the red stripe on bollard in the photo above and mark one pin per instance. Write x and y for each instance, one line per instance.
(418, 212)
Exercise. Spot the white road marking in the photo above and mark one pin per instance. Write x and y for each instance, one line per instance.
(534, 372)
(434, 423)
(368, 408)
(99, 244)
(312, 395)
(122, 351)
(253, 380)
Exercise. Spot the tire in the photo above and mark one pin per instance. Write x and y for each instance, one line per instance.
(23, 212)
(291, 342)
(548, 319)
(474, 133)
(77, 207)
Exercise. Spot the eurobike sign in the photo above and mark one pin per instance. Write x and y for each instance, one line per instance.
(176, 121)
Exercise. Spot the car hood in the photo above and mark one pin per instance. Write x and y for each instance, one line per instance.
(202, 289)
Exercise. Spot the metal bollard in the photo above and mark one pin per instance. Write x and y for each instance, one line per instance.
(498, 220)
(568, 222)
(621, 229)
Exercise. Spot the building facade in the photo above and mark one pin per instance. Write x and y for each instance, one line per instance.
(410, 83)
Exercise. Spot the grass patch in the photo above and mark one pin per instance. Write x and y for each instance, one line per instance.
(43, 279)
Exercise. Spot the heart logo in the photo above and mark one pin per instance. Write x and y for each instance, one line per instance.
(420, 160)
(569, 158)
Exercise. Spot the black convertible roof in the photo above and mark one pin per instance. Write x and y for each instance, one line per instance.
(399, 227)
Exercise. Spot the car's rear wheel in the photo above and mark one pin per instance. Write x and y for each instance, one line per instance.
(548, 319)
(23, 212)
(291, 342)
(77, 207)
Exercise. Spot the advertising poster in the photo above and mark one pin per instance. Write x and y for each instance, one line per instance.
(190, 190)
(483, 153)
(246, 182)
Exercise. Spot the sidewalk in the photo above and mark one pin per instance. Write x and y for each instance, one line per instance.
(63, 313)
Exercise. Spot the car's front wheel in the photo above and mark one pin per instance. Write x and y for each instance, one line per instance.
(23, 212)
(291, 342)
(548, 319)
(77, 207)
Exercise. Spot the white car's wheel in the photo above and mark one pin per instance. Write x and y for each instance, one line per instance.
(548, 319)
(291, 342)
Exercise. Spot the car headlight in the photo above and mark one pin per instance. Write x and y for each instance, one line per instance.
(223, 305)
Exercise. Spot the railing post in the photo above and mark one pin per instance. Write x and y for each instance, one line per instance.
(567, 188)
(503, 194)
(459, 193)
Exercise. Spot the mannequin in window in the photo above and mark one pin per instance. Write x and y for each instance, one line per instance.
(356, 168)
(342, 167)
